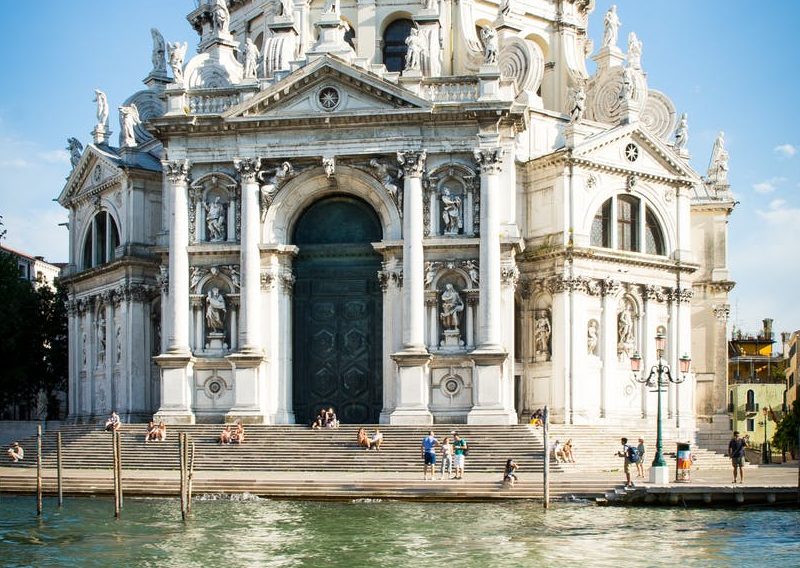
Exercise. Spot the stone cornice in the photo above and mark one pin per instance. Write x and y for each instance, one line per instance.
(119, 264)
(714, 285)
(536, 254)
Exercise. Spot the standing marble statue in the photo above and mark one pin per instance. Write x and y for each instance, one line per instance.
(611, 26)
(415, 45)
(221, 16)
(681, 133)
(577, 102)
(592, 337)
(490, 45)
(634, 51)
(251, 55)
(177, 53)
(215, 220)
(625, 333)
(451, 213)
(452, 306)
(74, 147)
(542, 334)
(626, 89)
(215, 310)
(101, 337)
(159, 52)
(128, 119)
(102, 108)
(718, 169)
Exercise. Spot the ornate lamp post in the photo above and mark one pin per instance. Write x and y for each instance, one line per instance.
(659, 377)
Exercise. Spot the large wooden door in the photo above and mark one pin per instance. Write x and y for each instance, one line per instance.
(337, 312)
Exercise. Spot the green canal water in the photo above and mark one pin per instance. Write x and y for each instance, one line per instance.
(254, 532)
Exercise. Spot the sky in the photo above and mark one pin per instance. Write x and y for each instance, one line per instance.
(728, 64)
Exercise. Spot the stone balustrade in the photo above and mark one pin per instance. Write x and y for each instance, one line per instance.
(212, 101)
(454, 90)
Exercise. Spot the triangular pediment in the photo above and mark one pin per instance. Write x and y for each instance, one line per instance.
(96, 169)
(632, 147)
(327, 87)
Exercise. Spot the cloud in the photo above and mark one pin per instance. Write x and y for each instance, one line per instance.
(785, 150)
(55, 156)
(768, 186)
(780, 213)
(15, 164)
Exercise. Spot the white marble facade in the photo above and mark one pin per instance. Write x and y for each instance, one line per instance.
(538, 224)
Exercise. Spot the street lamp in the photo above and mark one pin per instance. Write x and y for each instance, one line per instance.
(765, 457)
(659, 377)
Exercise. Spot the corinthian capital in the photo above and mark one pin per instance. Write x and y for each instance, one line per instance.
(490, 160)
(177, 171)
(413, 162)
(247, 168)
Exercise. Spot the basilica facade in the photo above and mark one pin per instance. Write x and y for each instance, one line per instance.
(414, 213)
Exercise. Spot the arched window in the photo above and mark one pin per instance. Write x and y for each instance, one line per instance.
(618, 224)
(627, 223)
(101, 241)
(394, 44)
(751, 401)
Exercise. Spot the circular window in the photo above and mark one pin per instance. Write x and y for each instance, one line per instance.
(451, 385)
(214, 387)
(631, 152)
(329, 98)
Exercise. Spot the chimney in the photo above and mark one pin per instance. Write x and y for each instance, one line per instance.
(768, 328)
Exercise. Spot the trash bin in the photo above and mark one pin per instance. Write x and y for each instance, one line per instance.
(683, 468)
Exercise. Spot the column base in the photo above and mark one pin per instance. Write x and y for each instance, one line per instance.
(413, 388)
(488, 393)
(248, 389)
(659, 474)
(176, 382)
(246, 417)
(411, 416)
(284, 417)
(174, 418)
(492, 416)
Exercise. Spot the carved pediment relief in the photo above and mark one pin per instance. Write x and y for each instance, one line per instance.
(328, 87)
(94, 173)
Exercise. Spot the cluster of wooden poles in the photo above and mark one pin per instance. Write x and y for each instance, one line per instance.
(186, 451)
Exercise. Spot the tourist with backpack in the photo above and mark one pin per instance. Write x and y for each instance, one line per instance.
(640, 463)
(631, 455)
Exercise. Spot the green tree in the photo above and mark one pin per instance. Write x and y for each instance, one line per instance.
(785, 437)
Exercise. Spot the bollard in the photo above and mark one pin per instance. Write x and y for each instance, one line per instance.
(59, 471)
(39, 469)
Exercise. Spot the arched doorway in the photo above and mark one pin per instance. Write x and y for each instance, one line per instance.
(337, 316)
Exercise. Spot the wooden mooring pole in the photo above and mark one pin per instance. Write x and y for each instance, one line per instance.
(39, 469)
(119, 470)
(182, 461)
(546, 476)
(59, 471)
(190, 478)
(116, 472)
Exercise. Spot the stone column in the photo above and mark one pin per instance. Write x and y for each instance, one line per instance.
(176, 364)
(490, 162)
(249, 336)
(178, 175)
(412, 388)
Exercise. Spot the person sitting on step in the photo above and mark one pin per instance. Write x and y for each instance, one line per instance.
(15, 452)
(161, 432)
(151, 433)
(225, 435)
(319, 421)
(558, 452)
(376, 440)
(113, 423)
(363, 439)
(567, 451)
(330, 419)
(536, 418)
(238, 434)
(509, 474)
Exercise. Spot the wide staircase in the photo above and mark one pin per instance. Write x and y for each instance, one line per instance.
(595, 448)
(295, 461)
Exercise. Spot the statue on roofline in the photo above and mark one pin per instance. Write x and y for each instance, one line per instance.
(611, 26)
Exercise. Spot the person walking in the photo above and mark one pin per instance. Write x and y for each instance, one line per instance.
(428, 449)
(460, 449)
(625, 452)
(736, 452)
(640, 463)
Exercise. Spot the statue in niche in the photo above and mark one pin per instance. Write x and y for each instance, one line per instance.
(285, 8)
(611, 26)
(215, 220)
(634, 51)
(128, 119)
(221, 17)
(626, 338)
(681, 133)
(215, 310)
(102, 108)
(451, 213)
(473, 272)
(504, 8)
(452, 306)
(74, 147)
(577, 102)
(101, 337)
(415, 45)
(718, 170)
(159, 51)
(251, 55)
(626, 89)
(542, 334)
(490, 45)
(592, 337)
(177, 53)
